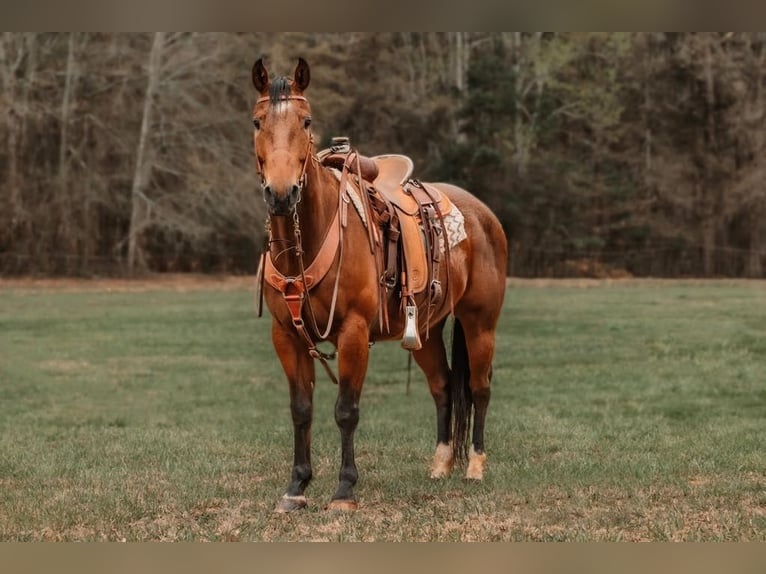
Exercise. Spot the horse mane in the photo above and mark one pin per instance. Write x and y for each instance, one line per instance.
(279, 89)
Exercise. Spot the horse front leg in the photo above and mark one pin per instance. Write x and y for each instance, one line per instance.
(299, 368)
(353, 355)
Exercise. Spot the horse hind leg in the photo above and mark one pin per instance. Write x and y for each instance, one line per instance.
(432, 360)
(480, 346)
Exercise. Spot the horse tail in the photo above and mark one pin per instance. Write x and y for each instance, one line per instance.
(460, 393)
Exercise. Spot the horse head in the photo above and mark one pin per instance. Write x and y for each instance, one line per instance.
(282, 137)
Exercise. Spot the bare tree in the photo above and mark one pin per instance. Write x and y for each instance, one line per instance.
(140, 212)
(11, 58)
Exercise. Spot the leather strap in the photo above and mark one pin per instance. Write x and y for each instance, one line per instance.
(431, 192)
(427, 201)
(319, 267)
(294, 295)
(290, 97)
(295, 290)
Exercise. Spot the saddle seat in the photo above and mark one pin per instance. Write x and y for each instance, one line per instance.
(394, 171)
(388, 174)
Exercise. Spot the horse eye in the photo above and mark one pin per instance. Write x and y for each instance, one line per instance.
(306, 123)
(257, 123)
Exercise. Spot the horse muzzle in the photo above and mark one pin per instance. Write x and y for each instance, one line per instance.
(281, 202)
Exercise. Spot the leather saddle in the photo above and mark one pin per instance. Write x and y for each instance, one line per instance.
(390, 176)
(394, 182)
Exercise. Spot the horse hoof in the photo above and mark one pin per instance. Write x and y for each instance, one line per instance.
(476, 461)
(343, 505)
(290, 504)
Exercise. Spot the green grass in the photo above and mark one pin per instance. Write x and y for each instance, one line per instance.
(631, 411)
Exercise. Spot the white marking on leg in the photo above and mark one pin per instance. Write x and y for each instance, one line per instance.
(475, 470)
(443, 461)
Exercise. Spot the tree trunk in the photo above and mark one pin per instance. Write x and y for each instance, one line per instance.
(66, 215)
(9, 103)
(708, 192)
(708, 245)
(139, 202)
(69, 86)
(30, 77)
(460, 63)
(518, 56)
(755, 257)
(524, 79)
(647, 112)
(756, 251)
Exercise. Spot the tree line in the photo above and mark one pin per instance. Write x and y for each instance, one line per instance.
(602, 154)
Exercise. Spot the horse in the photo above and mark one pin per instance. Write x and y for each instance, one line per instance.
(334, 294)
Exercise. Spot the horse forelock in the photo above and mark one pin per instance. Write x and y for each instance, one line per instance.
(279, 90)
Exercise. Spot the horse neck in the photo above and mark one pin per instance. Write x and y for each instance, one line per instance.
(316, 210)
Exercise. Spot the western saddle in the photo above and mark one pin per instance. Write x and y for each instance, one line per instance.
(405, 221)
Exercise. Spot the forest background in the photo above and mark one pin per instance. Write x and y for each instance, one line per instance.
(603, 154)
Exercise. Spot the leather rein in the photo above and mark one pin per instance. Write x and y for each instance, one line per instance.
(295, 290)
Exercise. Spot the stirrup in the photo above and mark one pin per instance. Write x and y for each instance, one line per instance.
(411, 339)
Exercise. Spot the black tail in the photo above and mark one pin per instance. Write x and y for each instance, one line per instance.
(460, 393)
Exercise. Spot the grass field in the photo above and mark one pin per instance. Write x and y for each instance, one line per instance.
(621, 411)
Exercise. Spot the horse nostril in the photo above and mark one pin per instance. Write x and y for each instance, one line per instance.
(295, 190)
(267, 190)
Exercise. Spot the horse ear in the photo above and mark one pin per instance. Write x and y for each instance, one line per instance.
(302, 75)
(260, 76)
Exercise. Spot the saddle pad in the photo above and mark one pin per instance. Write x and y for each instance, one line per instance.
(454, 221)
(353, 196)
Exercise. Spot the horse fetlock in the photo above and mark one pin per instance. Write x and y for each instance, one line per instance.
(348, 476)
(476, 462)
(443, 462)
(302, 474)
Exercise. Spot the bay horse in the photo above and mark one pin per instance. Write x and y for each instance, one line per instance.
(303, 200)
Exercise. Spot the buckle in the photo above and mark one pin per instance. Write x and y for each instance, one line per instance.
(436, 291)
